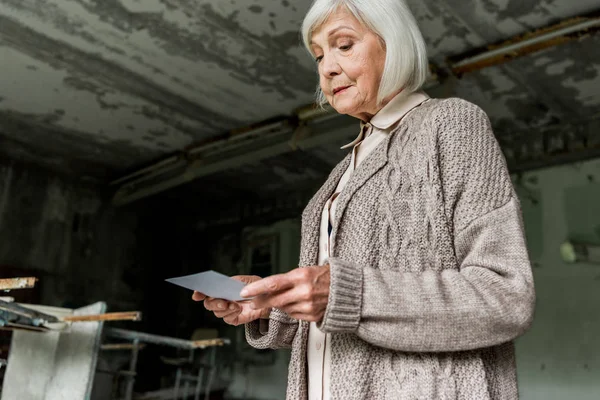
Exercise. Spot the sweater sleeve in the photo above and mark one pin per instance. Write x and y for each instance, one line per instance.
(277, 332)
(488, 298)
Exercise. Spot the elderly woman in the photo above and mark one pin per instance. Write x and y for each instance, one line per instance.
(414, 276)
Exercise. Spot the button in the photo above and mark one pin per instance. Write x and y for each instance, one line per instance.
(319, 346)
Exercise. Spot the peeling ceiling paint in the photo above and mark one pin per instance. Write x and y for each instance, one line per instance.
(100, 87)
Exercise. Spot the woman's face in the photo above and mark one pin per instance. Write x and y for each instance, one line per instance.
(351, 60)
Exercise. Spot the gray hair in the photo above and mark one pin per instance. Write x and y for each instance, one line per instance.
(406, 64)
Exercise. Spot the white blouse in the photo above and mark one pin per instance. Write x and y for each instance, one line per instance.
(371, 134)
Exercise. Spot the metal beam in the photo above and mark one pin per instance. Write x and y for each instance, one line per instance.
(255, 149)
(521, 45)
(164, 340)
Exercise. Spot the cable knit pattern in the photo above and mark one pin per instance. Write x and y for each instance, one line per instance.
(430, 276)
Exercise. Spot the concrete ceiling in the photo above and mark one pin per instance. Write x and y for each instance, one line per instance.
(98, 88)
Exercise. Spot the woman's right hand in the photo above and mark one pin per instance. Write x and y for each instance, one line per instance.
(234, 312)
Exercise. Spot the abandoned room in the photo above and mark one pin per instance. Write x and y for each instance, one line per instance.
(145, 140)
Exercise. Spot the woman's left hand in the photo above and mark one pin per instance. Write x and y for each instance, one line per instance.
(301, 293)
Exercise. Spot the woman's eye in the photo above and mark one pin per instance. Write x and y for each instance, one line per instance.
(318, 59)
(346, 47)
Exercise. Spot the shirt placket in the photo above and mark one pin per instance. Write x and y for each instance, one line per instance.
(329, 209)
(330, 216)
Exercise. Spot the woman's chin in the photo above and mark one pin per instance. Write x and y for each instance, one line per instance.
(344, 107)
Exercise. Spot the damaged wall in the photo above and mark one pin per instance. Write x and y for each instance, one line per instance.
(65, 234)
(560, 357)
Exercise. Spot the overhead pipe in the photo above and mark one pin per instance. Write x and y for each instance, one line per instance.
(165, 163)
(521, 45)
(259, 149)
(183, 158)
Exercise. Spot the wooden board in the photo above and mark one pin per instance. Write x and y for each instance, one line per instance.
(17, 283)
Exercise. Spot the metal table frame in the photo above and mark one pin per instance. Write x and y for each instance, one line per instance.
(138, 339)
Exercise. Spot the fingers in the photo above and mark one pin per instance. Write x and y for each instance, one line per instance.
(228, 311)
(280, 300)
(301, 310)
(246, 278)
(197, 296)
(213, 304)
(270, 284)
(233, 319)
(232, 310)
(300, 291)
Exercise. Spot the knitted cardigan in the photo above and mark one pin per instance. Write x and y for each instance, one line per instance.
(430, 275)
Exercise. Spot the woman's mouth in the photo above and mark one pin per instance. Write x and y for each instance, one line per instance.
(340, 89)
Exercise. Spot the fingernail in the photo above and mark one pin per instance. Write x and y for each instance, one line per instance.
(221, 306)
(244, 293)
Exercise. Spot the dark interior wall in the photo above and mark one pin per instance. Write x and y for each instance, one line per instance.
(82, 250)
(63, 232)
(168, 245)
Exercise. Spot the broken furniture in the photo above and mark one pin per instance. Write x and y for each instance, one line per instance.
(202, 379)
(15, 316)
(53, 351)
(54, 365)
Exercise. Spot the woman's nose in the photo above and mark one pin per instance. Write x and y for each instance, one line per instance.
(330, 66)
